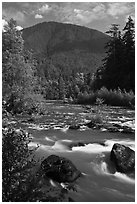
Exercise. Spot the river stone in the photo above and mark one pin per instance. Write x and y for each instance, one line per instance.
(60, 169)
(127, 129)
(113, 129)
(74, 127)
(91, 124)
(123, 158)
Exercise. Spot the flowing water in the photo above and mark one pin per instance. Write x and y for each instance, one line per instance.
(100, 182)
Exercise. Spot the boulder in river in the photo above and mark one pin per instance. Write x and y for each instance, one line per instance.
(123, 157)
(74, 127)
(90, 124)
(127, 130)
(59, 169)
(113, 129)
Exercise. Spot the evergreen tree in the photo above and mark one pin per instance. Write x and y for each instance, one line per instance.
(17, 68)
(118, 70)
(129, 53)
(108, 74)
(129, 36)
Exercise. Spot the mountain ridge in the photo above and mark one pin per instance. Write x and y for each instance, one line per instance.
(67, 47)
(53, 35)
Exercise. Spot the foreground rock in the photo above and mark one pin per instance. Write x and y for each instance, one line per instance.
(123, 158)
(59, 169)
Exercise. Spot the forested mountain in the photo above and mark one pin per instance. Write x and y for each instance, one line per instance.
(63, 53)
(53, 37)
(77, 47)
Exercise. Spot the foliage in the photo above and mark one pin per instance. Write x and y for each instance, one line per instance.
(34, 103)
(22, 180)
(16, 160)
(99, 101)
(109, 97)
(18, 69)
(129, 52)
(96, 119)
(118, 69)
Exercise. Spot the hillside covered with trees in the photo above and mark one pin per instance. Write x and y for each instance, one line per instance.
(64, 53)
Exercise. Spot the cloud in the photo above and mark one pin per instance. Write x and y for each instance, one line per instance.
(19, 28)
(99, 11)
(91, 14)
(99, 8)
(77, 10)
(4, 23)
(88, 15)
(19, 16)
(116, 9)
(12, 13)
(44, 8)
(38, 16)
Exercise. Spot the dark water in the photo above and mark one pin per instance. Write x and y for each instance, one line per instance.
(100, 182)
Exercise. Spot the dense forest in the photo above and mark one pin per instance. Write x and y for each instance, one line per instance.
(29, 77)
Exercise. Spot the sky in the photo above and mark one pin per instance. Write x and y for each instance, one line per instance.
(95, 15)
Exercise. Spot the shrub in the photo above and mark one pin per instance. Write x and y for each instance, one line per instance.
(34, 103)
(97, 119)
(99, 101)
(109, 97)
(82, 98)
(31, 103)
(103, 93)
(86, 98)
(129, 98)
(92, 97)
(17, 159)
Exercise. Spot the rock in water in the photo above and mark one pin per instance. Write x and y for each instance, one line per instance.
(90, 124)
(123, 158)
(74, 127)
(59, 169)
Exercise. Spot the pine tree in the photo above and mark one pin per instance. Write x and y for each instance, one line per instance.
(129, 35)
(129, 53)
(118, 70)
(109, 74)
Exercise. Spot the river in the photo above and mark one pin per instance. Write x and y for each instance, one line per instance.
(99, 183)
